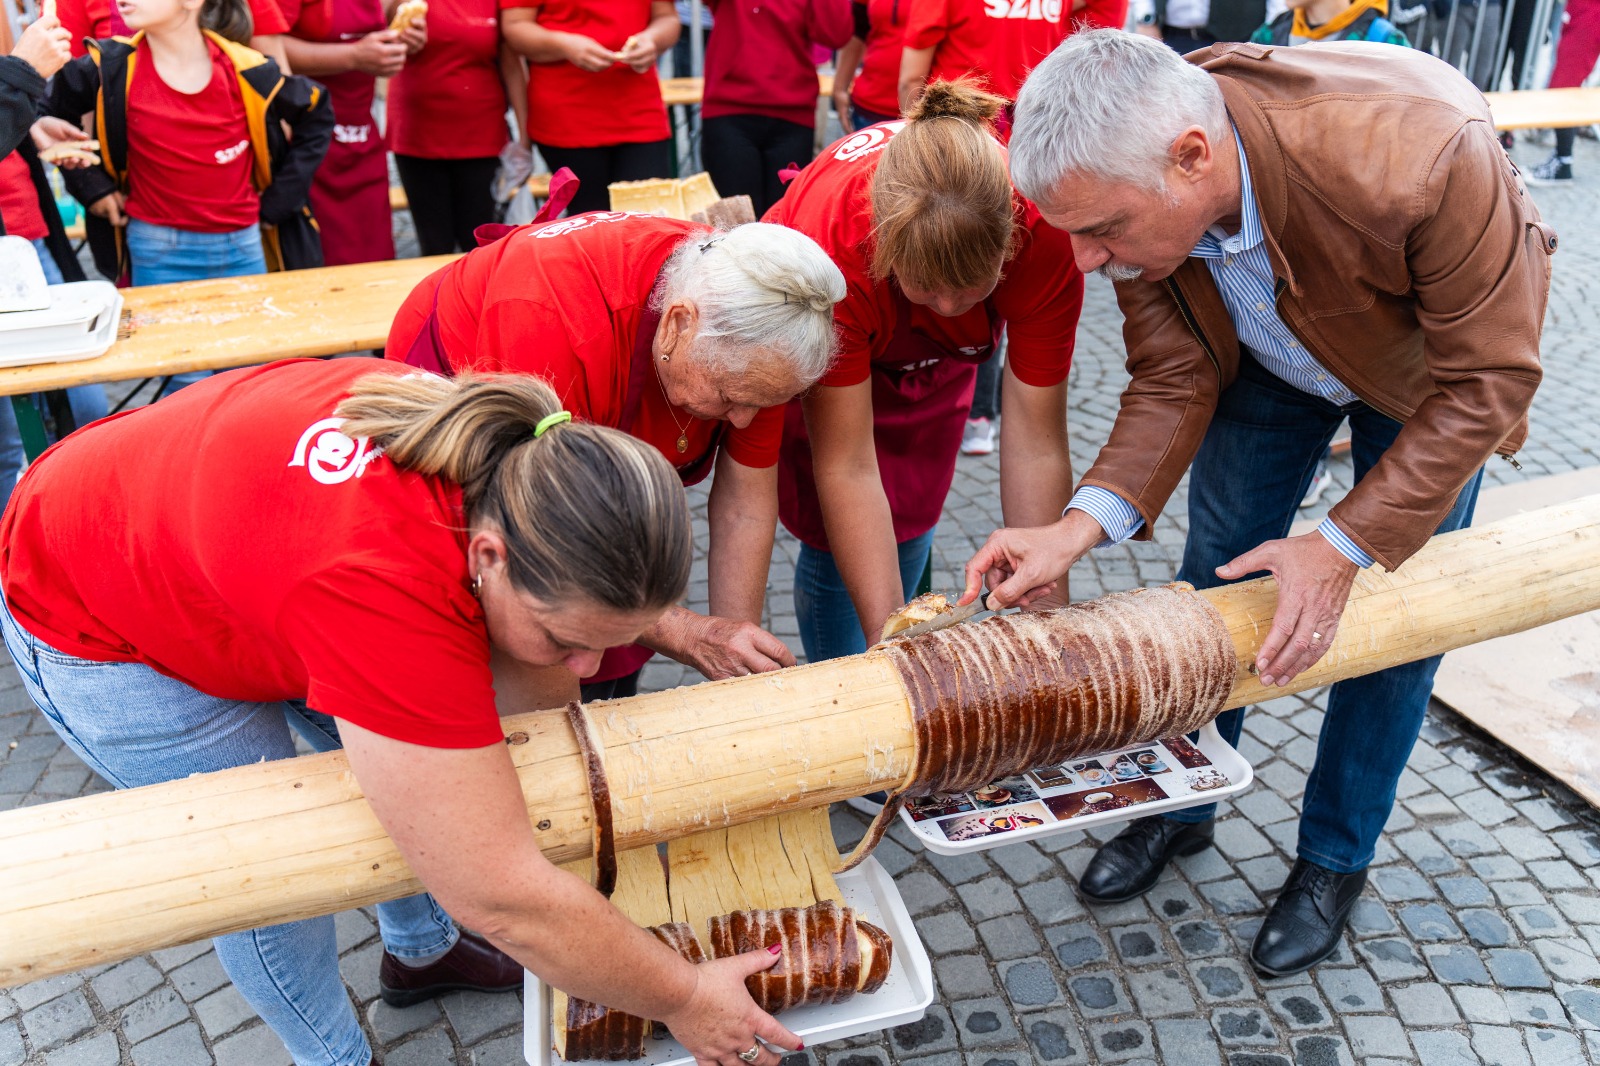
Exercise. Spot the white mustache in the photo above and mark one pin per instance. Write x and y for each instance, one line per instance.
(1114, 272)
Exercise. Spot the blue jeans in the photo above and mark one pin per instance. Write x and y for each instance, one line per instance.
(829, 626)
(163, 254)
(1245, 487)
(133, 727)
(88, 402)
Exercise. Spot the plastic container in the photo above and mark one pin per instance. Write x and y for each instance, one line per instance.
(904, 998)
(80, 323)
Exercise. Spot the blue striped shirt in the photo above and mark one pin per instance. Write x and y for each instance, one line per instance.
(1243, 273)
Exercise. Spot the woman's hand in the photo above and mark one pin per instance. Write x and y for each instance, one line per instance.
(380, 53)
(415, 35)
(49, 132)
(841, 106)
(586, 53)
(45, 46)
(717, 647)
(639, 52)
(109, 207)
(719, 1020)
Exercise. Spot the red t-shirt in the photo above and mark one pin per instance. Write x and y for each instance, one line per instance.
(255, 553)
(92, 18)
(1000, 40)
(449, 101)
(189, 157)
(563, 300)
(19, 200)
(572, 108)
(877, 86)
(1038, 298)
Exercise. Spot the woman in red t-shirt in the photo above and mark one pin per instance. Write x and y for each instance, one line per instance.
(358, 538)
(940, 254)
(871, 94)
(347, 47)
(594, 101)
(689, 340)
(447, 121)
(995, 41)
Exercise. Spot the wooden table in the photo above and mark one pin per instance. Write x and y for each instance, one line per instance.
(677, 92)
(1545, 108)
(231, 322)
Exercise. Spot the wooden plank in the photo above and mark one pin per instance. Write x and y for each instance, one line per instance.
(229, 322)
(1544, 108)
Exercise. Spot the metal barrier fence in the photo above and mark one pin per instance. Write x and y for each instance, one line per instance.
(1497, 44)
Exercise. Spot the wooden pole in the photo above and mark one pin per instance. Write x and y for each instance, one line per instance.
(98, 879)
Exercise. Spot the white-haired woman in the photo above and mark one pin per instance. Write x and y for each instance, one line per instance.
(690, 340)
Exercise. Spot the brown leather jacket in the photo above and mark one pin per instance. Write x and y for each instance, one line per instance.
(1410, 262)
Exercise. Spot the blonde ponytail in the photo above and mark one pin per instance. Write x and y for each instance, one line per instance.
(587, 512)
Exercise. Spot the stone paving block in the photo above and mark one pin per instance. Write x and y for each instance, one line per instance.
(359, 969)
(507, 1051)
(198, 978)
(1140, 945)
(1519, 894)
(1540, 811)
(1423, 1004)
(1375, 1035)
(100, 1049)
(1258, 1058)
(1243, 1026)
(429, 1049)
(1497, 867)
(390, 1024)
(223, 1011)
(1187, 1041)
(862, 1056)
(1455, 964)
(1429, 921)
(1444, 1047)
(1525, 844)
(171, 958)
(1076, 945)
(1022, 863)
(1368, 917)
(1098, 993)
(1452, 780)
(893, 857)
(1465, 839)
(1486, 928)
(54, 1023)
(1569, 960)
(983, 1023)
(1120, 1041)
(1464, 891)
(8, 1007)
(1203, 866)
(1540, 920)
(1392, 959)
(475, 1015)
(922, 892)
(1201, 939)
(1075, 859)
(152, 1013)
(1535, 1008)
(989, 898)
(1553, 1047)
(1238, 840)
(1299, 1008)
(124, 983)
(1161, 994)
(1107, 915)
(1263, 807)
(179, 1046)
(1397, 884)
(1231, 897)
(1053, 1037)
(12, 1050)
(351, 928)
(947, 932)
(1008, 937)
(934, 1032)
(1172, 901)
(1582, 909)
(1051, 901)
(1484, 807)
(1264, 875)
(1583, 1005)
(963, 976)
(1485, 1006)
(1030, 984)
(1286, 780)
(1349, 990)
(31, 995)
(959, 869)
(1221, 980)
(1557, 874)
(1582, 846)
(1425, 850)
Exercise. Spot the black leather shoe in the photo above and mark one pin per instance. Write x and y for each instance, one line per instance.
(1306, 919)
(1130, 863)
(473, 965)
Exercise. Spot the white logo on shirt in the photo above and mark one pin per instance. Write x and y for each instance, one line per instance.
(578, 222)
(864, 141)
(228, 155)
(971, 350)
(352, 134)
(1032, 10)
(329, 456)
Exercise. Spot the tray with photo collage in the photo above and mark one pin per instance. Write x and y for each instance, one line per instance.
(1116, 786)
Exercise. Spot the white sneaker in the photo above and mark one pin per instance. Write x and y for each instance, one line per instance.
(978, 437)
(1320, 482)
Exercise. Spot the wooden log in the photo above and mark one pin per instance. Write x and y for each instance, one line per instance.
(98, 879)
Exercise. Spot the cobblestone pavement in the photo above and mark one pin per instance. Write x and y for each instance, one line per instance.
(1475, 942)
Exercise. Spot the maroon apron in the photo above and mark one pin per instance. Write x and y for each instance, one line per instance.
(350, 191)
(427, 352)
(921, 396)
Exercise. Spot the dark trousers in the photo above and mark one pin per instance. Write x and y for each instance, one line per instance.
(597, 168)
(1245, 487)
(449, 199)
(986, 394)
(615, 689)
(1186, 39)
(743, 154)
(862, 117)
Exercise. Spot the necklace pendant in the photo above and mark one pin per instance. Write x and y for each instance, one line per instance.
(683, 443)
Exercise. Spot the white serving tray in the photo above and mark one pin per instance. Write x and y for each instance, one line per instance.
(1029, 806)
(904, 997)
(80, 323)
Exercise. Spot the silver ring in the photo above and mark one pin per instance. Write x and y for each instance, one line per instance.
(753, 1054)
(1316, 636)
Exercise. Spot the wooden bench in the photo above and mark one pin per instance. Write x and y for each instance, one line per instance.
(1545, 108)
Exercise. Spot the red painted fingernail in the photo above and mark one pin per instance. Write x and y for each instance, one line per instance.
(776, 949)
(802, 1047)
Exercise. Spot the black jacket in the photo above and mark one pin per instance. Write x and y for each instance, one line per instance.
(22, 93)
(98, 83)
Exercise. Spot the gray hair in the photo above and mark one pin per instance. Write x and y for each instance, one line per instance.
(757, 287)
(1107, 105)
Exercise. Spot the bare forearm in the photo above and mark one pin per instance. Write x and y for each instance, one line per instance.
(860, 525)
(535, 42)
(314, 59)
(743, 515)
(1035, 461)
(664, 29)
(515, 77)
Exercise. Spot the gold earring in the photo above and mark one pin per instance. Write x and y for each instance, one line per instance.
(477, 584)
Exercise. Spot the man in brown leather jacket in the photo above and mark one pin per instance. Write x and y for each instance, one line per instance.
(1298, 238)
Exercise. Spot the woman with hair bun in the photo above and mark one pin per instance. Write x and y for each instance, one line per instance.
(940, 254)
(689, 339)
(362, 539)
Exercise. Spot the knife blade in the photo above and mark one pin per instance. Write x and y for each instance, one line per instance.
(955, 616)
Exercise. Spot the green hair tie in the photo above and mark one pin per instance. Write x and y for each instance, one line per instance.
(551, 420)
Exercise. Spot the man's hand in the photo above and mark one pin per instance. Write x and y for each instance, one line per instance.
(1023, 565)
(45, 46)
(1313, 584)
(717, 647)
